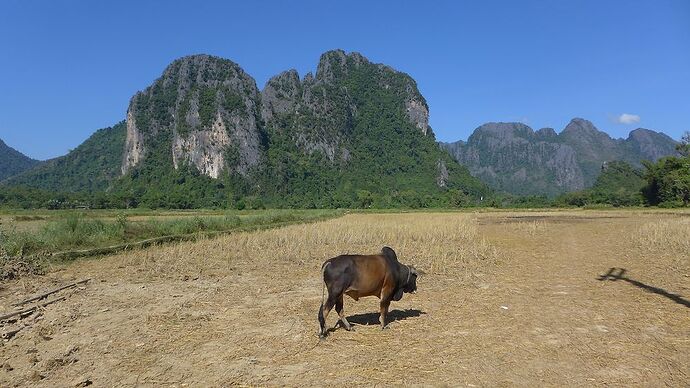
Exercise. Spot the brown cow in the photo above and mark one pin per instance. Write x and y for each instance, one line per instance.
(357, 276)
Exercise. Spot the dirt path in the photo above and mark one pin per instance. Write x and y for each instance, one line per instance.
(539, 317)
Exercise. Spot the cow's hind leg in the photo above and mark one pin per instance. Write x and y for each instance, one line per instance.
(323, 313)
(341, 313)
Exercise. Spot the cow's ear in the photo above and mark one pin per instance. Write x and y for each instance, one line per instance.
(398, 295)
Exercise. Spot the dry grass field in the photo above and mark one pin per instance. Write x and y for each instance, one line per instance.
(508, 299)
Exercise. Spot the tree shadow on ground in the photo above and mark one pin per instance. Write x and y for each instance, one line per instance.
(394, 315)
(615, 274)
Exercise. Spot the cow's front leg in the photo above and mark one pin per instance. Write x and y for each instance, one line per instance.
(341, 313)
(384, 312)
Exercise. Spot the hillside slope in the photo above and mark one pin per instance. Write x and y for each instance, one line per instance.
(90, 167)
(13, 162)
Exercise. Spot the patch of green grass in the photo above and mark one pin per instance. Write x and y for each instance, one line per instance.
(79, 230)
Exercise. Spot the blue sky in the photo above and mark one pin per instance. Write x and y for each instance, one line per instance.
(68, 68)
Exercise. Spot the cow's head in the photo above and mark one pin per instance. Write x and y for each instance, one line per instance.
(410, 285)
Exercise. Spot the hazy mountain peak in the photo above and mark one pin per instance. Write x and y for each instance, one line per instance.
(650, 145)
(645, 133)
(581, 126)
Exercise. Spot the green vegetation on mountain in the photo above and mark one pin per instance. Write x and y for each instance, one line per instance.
(13, 162)
(619, 184)
(618, 176)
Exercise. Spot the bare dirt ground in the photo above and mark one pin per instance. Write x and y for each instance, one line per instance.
(509, 299)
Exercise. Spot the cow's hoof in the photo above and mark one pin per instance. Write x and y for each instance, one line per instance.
(322, 337)
(350, 328)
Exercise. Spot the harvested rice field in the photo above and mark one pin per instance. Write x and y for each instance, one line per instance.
(563, 298)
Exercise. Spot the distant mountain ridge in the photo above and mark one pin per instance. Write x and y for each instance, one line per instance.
(13, 162)
(512, 157)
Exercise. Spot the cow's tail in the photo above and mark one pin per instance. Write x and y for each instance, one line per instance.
(323, 278)
(322, 319)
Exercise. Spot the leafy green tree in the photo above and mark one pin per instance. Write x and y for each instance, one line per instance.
(668, 182)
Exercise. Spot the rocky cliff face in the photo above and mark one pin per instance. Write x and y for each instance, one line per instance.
(204, 111)
(321, 110)
(207, 112)
(650, 145)
(514, 158)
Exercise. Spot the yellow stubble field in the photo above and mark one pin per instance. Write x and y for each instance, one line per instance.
(508, 299)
